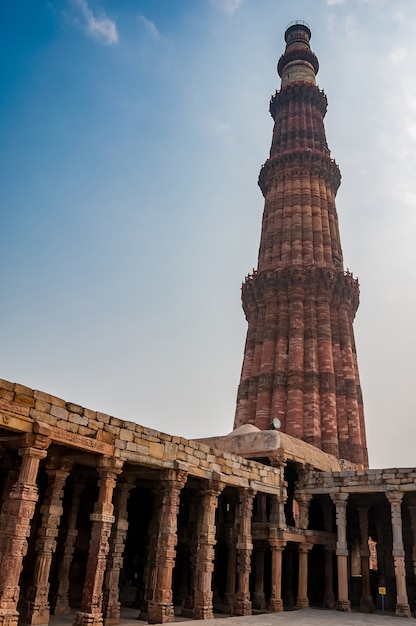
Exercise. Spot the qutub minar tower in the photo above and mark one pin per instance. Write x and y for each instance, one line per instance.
(300, 362)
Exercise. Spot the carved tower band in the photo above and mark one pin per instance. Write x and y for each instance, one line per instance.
(300, 362)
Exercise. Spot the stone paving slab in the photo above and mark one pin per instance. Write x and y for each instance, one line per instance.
(305, 617)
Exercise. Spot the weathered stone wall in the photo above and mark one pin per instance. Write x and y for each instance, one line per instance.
(79, 427)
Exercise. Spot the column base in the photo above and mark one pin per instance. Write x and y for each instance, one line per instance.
(302, 603)
(329, 601)
(160, 612)
(366, 604)
(62, 609)
(88, 619)
(203, 612)
(229, 599)
(276, 605)
(241, 607)
(9, 618)
(402, 610)
(259, 601)
(35, 615)
(343, 605)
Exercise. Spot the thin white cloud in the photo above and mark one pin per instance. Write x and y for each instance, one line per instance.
(99, 27)
(332, 3)
(228, 6)
(150, 26)
(398, 54)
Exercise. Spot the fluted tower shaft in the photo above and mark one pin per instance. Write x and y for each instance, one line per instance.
(300, 362)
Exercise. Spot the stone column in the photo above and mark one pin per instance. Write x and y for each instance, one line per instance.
(412, 510)
(340, 500)
(111, 603)
(242, 604)
(62, 596)
(366, 600)
(11, 478)
(259, 601)
(205, 553)
(402, 604)
(102, 519)
(160, 606)
(231, 572)
(289, 596)
(302, 601)
(303, 500)
(20, 510)
(37, 609)
(276, 602)
(329, 595)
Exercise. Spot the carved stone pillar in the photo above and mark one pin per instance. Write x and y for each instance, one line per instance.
(259, 601)
(37, 608)
(340, 500)
(261, 513)
(303, 500)
(242, 604)
(111, 603)
(205, 553)
(102, 519)
(302, 601)
(276, 602)
(329, 595)
(231, 572)
(62, 596)
(412, 509)
(20, 510)
(402, 604)
(11, 478)
(366, 600)
(160, 606)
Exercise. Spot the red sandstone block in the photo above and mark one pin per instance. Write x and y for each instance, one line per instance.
(86, 432)
(104, 436)
(150, 432)
(78, 419)
(7, 394)
(59, 412)
(12, 407)
(74, 408)
(42, 416)
(102, 417)
(7, 385)
(46, 397)
(22, 390)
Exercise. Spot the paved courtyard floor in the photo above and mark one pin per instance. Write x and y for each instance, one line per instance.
(305, 617)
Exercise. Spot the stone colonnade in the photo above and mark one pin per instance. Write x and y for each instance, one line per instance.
(109, 524)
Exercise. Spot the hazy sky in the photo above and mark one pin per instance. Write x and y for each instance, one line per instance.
(133, 132)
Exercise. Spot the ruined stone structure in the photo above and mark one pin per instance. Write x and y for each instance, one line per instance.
(300, 363)
(98, 513)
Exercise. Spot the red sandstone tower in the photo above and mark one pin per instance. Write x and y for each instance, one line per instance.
(300, 362)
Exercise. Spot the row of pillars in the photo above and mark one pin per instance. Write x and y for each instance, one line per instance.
(366, 601)
(100, 597)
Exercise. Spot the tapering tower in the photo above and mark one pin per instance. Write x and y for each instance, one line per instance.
(300, 362)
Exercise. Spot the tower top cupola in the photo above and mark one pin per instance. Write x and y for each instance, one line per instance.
(298, 63)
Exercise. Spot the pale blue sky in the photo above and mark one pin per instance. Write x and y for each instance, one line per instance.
(133, 132)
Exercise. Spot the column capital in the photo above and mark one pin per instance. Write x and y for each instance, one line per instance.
(176, 477)
(304, 548)
(394, 496)
(340, 499)
(109, 464)
(277, 544)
